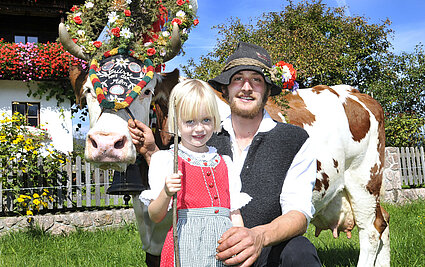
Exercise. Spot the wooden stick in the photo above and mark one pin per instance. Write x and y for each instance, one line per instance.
(176, 170)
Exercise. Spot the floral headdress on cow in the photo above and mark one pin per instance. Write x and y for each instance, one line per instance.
(151, 31)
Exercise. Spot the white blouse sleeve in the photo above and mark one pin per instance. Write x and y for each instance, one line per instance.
(160, 166)
(237, 198)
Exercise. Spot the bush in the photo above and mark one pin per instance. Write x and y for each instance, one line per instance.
(28, 160)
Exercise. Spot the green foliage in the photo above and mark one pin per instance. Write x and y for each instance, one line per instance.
(324, 45)
(60, 90)
(404, 130)
(28, 161)
(327, 47)
(401, 92)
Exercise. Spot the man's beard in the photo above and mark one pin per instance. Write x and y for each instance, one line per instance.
(247, 114)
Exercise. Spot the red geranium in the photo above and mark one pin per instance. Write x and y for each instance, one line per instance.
(176, 20)
(78, 20)
(74, 8)
(195, 22)
(151, 51)
(97, 44)
(127, 12)
(34, 61)
(116, 32)
(180, 2)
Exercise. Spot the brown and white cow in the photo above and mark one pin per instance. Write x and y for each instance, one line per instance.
(347, 128)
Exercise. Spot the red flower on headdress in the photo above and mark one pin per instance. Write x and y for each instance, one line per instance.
(195, 22)
(176, 20)
(116, 32)
(180, 2)
(74, 8)
(78, 20)
(151, 51)
(127, 12)
(97, 44)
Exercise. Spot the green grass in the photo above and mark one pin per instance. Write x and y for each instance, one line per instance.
(117, 247)
(122, 247)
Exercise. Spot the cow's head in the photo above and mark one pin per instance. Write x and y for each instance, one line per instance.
(121, 83)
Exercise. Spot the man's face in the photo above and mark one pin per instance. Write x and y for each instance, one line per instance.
(246, 93)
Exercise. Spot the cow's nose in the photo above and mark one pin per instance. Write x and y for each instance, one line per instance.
(106, 143)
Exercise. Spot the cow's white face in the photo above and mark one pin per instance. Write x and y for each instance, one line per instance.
(108, 143)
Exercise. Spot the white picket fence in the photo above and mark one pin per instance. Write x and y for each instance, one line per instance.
(412, 169)
(81, 178)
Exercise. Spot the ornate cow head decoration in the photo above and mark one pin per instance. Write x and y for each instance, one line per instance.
(126, 42)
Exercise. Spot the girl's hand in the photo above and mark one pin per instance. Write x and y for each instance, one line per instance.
(173, 184)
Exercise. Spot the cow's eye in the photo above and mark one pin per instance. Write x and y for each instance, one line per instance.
(148, 92)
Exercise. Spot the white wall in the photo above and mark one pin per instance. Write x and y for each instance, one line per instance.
(59, 127)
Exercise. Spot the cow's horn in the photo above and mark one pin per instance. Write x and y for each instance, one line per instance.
(176, 43)
(69, 44)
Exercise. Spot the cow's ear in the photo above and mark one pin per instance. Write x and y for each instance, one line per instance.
(78, 77)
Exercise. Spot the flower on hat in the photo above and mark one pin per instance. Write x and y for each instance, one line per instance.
(285, 75)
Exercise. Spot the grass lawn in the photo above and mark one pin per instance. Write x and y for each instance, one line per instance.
(122, 247)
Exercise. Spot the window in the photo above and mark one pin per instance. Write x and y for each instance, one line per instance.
(30, 110)
(26, 39)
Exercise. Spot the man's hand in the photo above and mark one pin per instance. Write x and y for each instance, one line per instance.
(240, 245)
(143, 138)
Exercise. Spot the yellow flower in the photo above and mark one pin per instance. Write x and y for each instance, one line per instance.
(45, 190)
(36, 202)
(35, 152)
(36, 195)
(29, 212)
(44, 204)
(28, 141)
(20, 200)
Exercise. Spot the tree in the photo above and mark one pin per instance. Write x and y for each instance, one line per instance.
(401, 92)
(324, 45)
(327, 47)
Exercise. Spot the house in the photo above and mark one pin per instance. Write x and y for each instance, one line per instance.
(29, 60)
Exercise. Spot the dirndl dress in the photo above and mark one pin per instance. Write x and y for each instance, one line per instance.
(211, 188)
(203, 207)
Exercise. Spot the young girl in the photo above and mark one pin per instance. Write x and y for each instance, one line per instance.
(208, 191)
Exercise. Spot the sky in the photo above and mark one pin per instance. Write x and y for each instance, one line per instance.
(407, 17)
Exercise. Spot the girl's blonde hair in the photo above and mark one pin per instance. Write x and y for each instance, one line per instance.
(191, 97)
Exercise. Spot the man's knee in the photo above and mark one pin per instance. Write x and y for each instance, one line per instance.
(299, 251)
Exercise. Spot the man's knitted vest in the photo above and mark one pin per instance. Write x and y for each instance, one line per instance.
(268, 160)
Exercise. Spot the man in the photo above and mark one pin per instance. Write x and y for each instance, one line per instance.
(277, 168)
(276, 163)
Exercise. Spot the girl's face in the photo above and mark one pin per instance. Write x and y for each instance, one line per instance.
(196, 132)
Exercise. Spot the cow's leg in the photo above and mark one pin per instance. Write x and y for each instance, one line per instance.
(366, 208)
(383, 258)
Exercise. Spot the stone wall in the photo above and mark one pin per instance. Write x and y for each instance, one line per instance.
(68, 222)
(391, 189)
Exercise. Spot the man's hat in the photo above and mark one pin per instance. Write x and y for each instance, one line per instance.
(246, 57)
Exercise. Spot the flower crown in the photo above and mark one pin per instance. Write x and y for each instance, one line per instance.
(284, 75)
(144, 26)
